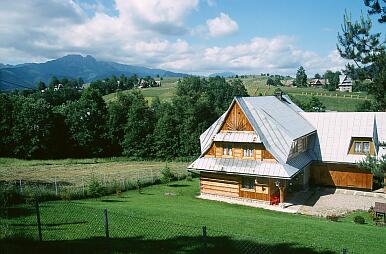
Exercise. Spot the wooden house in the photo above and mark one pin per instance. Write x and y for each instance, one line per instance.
(263, 147)
(345, 84)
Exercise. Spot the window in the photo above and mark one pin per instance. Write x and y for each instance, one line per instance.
(300, 145)
(361, 147)
(248, 151)
(366, 147)
(227, 151)
(248, 182)
(357, 147)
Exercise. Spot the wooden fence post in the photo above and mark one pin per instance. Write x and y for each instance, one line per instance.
(21, 186)
(82, 185)
(38, 218)
(106, 222)
(56, 187)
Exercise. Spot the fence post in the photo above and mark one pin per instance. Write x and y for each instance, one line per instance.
(204, 237)
(56, 187)
(21, 186)
(38, 218)
(106, 222)
(83, 186)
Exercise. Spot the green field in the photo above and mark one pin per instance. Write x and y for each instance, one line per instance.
(334, 101)
(172, 216)
(71, 171)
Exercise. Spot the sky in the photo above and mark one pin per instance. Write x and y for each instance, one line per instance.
(191, 36)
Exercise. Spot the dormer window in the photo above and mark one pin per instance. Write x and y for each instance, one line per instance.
(361, 146)
(357, 147)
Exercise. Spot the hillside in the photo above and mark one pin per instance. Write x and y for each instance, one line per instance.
(72, 67)
(334, 101)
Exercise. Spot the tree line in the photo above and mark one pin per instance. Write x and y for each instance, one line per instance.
(78, 123)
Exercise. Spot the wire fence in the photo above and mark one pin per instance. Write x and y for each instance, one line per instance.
(58, 188)
(73, 227)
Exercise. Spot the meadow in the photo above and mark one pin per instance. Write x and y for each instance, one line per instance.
(73, 171)
(167, 218)
(334, 101)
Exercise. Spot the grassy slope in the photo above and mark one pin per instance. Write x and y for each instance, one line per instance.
(255, 86)
(183, 208)
(71, 171)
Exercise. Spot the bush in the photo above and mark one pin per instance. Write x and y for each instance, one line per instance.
(189, 177)
(166, 175)
(359, 219)
(95, 188)
(333, 217)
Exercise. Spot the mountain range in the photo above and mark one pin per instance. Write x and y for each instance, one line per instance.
(72, 67)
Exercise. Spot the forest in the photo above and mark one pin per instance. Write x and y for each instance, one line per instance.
(77, 123)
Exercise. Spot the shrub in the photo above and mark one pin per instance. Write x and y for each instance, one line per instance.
(95, 188)
(359, 219)
(189, 177)
(333, 217)
(166, 175)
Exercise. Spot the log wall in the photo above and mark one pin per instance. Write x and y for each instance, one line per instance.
(340, 175)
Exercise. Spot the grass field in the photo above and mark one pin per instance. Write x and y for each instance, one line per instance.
(158, 213)
(71, 171)
(333, 101)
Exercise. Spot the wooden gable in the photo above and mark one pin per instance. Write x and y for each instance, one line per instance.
(236, 120)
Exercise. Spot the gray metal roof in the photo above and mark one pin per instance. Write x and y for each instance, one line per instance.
(244, 167)
(206, 138)
(278, 123)
(336, 129)
(238, 136)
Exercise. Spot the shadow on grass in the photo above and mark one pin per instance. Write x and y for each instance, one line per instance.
(182, 244)
(112, 201)
(15, 212)
(176, 185)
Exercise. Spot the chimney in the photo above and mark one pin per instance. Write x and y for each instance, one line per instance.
(279, 95)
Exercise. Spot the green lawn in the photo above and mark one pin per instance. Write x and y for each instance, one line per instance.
(171, 216)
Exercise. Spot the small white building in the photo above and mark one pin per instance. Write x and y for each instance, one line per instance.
(345, 83)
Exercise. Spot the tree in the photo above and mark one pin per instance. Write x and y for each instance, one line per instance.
(6, 108)
(301, 77)
(117, 120)
(317, 76)
(86, 123)
(32, 128)
(333, 80)
(41, 86)
(166, 136)
(139, 129)
(377, 167)
(375, 8)
(356, 43)
(315, 105)
(53, 82)
(270, 82)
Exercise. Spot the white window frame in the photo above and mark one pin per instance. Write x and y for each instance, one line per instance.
(358, 149)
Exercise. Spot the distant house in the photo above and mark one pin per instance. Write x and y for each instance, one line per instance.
(58, 87)
(158, 83)
(142, 83)
(345, 83)
(317, 83)
(288, 82)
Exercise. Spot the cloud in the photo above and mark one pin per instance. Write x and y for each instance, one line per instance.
(149, 33)
(278, 54)
(222, 26)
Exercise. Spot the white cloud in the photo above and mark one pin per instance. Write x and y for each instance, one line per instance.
(149, 33)
(222, 26)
